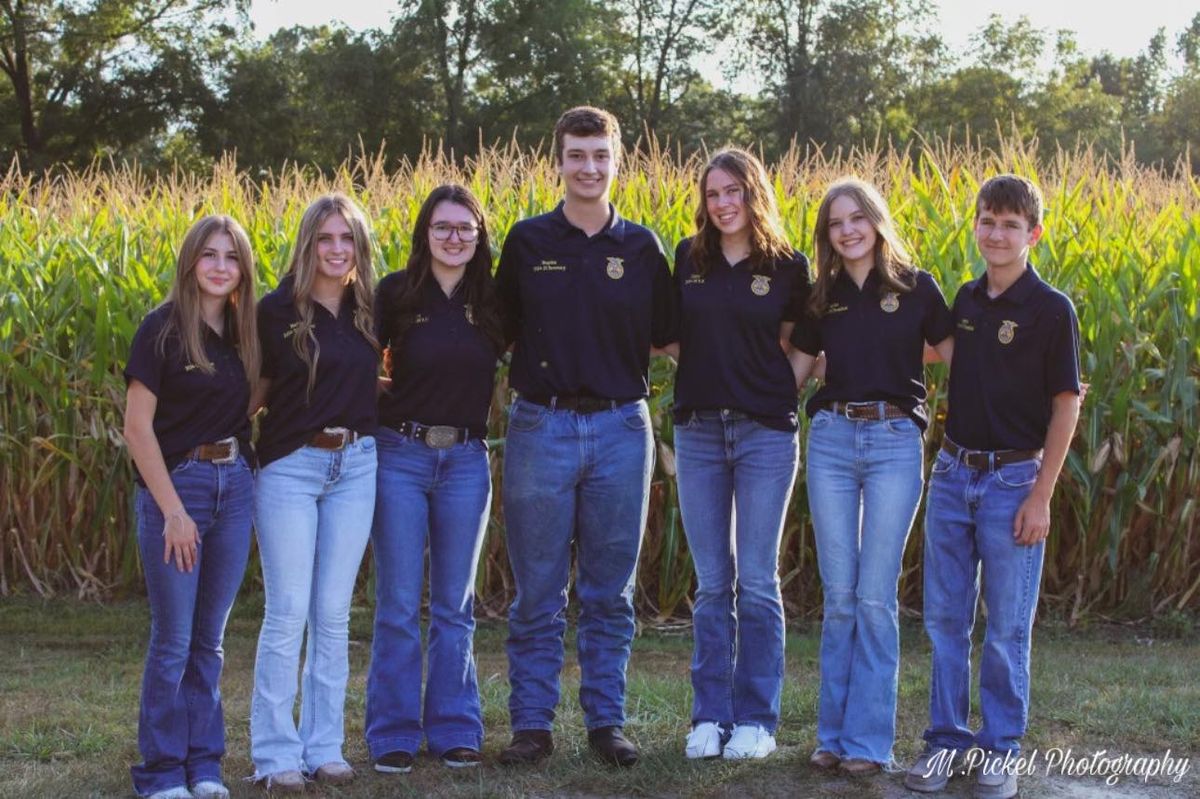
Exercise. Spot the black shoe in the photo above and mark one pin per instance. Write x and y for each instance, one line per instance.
(394, 763)
(527, 747)
(611, 745)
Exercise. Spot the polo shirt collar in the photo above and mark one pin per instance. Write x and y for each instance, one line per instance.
(615, 229)
(847, 282)
(1017, 293)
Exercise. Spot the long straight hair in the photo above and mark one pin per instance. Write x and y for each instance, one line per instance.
(185, 319)
(303, 271)
(404, 304)
(892, 262)
(767, 239)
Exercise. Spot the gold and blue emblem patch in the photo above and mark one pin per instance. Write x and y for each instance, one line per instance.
(615, 268)
(761, 285)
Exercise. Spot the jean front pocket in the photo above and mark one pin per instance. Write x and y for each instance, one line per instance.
(822, 419)
(526, 416)
(1018, 475)
(942, 462)
(634, 417)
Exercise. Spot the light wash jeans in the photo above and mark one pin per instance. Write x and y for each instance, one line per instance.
(181, 727)
(313, 515)
(582, 479)
(439, 498)
(864, 486)
(968, 524)
(735, 478)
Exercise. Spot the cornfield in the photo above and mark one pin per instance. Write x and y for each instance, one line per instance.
(84, 256)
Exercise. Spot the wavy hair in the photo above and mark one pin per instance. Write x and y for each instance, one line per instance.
(400, 305)
(303, 271)
(768, 242)
(893, 263)
(185, 319)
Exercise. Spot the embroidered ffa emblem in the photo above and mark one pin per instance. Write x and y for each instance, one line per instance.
(1006, 332)
(761, 285)
(469, 314)
(615, 268)
(890, 302)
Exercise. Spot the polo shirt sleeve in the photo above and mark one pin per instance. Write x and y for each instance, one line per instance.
(798, 297)
(664, 320)
(806, 335)
(267, 340)
(1062, 350)
(145, 360)
(937, 323)
(508, 290)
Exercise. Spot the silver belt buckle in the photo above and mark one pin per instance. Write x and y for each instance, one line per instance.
(232, 442)
(342, 432)
(440, 436)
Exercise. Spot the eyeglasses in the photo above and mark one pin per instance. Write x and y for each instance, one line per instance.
(466, 233)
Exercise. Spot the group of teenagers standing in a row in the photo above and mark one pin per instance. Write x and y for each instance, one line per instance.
(583, 296)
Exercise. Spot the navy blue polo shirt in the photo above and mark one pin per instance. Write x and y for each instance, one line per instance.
(583, 311)
(729, 351)
(1012, 355)
(193, 408)
(874, 342)
(347, 369)
(444, 365)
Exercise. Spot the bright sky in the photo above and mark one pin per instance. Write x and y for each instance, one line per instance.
(1123, 28)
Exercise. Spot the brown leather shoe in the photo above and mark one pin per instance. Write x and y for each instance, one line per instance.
(823, 759)
(859, 767)
(527, 747)
(612, 746)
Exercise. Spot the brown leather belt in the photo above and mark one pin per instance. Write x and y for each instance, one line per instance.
(577, 403)
(332, 438)
(988, 460)
(876, 411)
(223, 451)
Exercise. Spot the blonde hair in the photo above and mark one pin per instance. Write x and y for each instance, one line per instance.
(303, 269)
(185, 319)
(768, 242)
(892, 262)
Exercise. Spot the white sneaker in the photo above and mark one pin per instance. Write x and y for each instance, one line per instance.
(179, 792)
(210, 789)
(749, 741)
(704, 741)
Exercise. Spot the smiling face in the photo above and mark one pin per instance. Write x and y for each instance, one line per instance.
(851, 234)
(460, 228)
(218, 268)
(588, 167)
(335, 250)
(1004, 238)
(725, 203)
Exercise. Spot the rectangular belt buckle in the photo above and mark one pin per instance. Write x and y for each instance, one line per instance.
(232, 443)
(341, 432)
(851, 409)
(440, 436)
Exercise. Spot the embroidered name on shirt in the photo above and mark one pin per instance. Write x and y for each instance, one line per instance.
(550, 266)
(694, 280)
(836, 307)
(966, 324)
(420, 319)
(191, 366)
(615, 268)
(761, 285)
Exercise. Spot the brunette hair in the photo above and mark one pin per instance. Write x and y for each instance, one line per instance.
(184, 319)
(303, 271)
(768, 242)
(399, 305)
(586, 120)
(1011, 194)
(893, 264)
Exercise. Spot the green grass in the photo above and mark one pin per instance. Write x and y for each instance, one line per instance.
(70, 672)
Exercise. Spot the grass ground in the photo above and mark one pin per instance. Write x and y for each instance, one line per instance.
(69, 677)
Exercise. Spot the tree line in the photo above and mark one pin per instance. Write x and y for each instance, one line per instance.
(185, 82)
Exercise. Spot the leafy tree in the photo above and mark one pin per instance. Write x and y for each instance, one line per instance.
(89, 76)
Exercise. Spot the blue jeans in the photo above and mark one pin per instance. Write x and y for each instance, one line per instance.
(582, 479)
(968, 523)
(313, 518)
(864, 486)
(181, 727)
(440, 497)
(735, 477)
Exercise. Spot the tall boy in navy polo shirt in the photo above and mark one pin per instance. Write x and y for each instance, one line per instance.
(1014, 402)
(585, 295)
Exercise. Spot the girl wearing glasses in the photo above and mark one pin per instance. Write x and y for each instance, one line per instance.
(440, 325)
(316, 490)
(193, 361)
